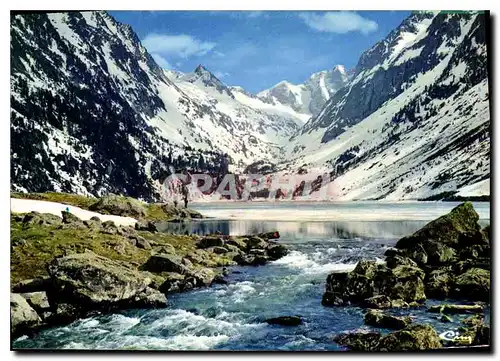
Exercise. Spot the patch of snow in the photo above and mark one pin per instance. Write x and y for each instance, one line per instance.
(29, 205)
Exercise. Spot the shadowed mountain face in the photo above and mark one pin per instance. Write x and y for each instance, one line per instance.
(91, 112)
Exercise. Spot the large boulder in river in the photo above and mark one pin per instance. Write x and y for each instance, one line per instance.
(439, 283)
(403, 282)
(23, 318)
(359, 341)
(446, 229)
(88, 281)
(368, 279)
(119, 206)
(393, 262)
(276, 251)
(285, 321)
(380, 319)
(412, 338)
(377, 302)
(474, 284)
(348, 287)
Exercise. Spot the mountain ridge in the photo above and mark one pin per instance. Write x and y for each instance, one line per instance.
(92, 112)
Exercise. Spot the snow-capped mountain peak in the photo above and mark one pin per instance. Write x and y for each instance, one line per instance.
(202, 75)
(307, 98)
(92, 112)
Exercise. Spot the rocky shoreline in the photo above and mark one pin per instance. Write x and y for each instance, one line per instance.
(448, 258)
(65, 268)
(81, 268)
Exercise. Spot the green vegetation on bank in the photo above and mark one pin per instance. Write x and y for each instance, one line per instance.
(64, 268)
(36, 245)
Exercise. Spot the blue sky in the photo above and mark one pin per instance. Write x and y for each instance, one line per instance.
(259, 49)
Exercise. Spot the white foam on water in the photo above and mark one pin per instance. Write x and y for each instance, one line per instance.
(190, 342)
(122, 323)
(177, 342)
(188, 323)
(300, 340)
(89, 323)
(299, 260)
(75, 346)
(238, 292)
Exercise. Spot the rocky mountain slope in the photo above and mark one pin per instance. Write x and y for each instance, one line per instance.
(91, 112)
(414, 121)
(310, 97)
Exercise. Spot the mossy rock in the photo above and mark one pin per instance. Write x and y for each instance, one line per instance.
(475, 252)
(210, 241)
(438, 253)
(377, 318)
(23, 318)
(38, 300)
(35, 218)
(165, 263)
(217, 250)
(439, 283)
(395, 261)
(277, 251)
(254, 242)
(473, 285)
(359, 341)
(369, 279)
(402, 282)
(91, 282)
(68, 217)
(412, 338)
(119, 206)
(446, 229)
(237, 242)
(377, 302)
(365, 268)
(417, 253)
(391, 252)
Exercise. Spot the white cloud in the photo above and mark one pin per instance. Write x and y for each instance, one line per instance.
(218, 54)
(161, 61)
(340, 22)
(221, 74)
(182, 45)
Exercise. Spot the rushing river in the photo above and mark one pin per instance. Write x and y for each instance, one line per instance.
(322, 238)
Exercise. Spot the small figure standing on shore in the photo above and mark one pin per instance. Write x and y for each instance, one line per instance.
(185, 195)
